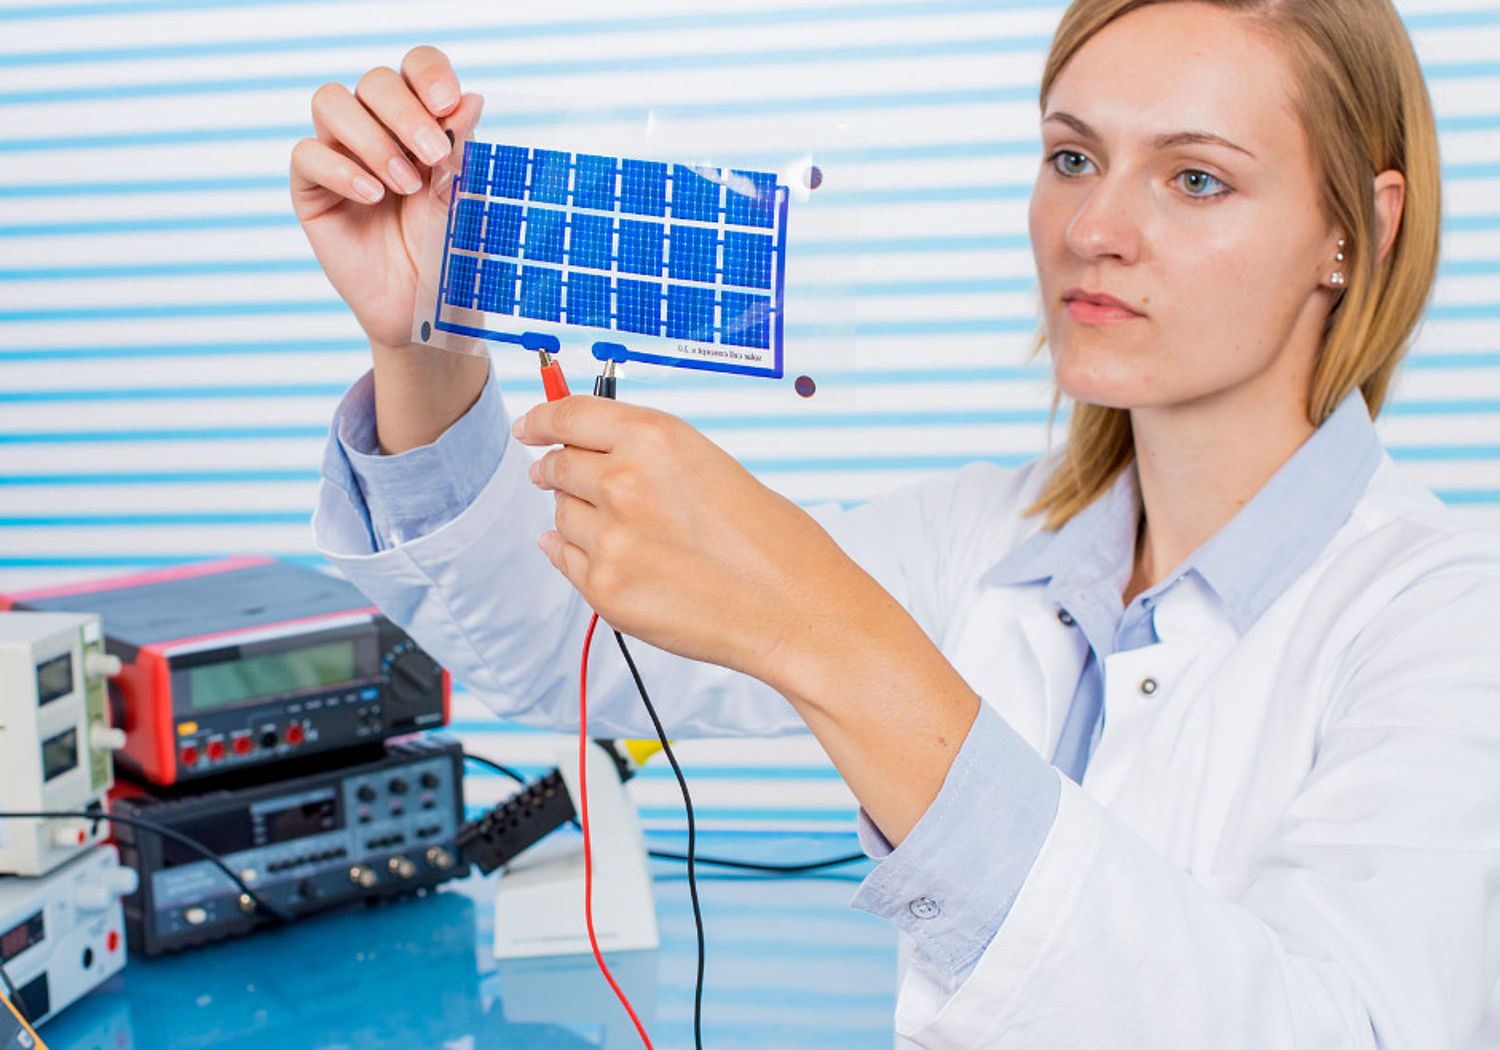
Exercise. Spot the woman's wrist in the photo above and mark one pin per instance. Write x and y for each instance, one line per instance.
(421, 391)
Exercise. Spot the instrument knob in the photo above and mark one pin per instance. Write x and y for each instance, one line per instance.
(414, 677)
(99, 664)
(439, 858)
(362, 876)
(401, 867)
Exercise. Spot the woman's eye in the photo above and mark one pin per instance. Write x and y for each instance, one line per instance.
(1201, 184)
(1069, 162)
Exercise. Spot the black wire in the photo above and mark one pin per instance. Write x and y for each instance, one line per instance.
(692, 839)
(167, 833)
(497, 767)
(776, 869)
(15, 996)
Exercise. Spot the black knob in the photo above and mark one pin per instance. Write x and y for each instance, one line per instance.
(398, 786)
(415, 677)
(430, 780)
(365, 793)
(307, 889)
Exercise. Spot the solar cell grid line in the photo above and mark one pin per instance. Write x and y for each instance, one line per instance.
(642, 247)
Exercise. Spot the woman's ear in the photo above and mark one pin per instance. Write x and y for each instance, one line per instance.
(1390, 199)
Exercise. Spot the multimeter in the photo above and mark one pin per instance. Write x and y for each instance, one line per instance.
(235, 665)
(15, 1033)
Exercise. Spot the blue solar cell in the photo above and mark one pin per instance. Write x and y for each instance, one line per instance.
(641, 247)
(509, 176)
(594, 185)
(747, 319)
(747, 209)
(693, 196)
(639, 307)
(497, 287)
(694, 253)
(747, 259)
(502, 229)
(690, 313)
(468, 219)
(541, 293)
(549, 176)
(590, 242)
(544, 235)
(588, 299)
(459, 288)
(476, 176)
(643, 187)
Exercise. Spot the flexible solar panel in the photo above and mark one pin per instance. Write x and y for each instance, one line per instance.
(672, 264)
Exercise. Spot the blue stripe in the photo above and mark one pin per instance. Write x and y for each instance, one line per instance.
(26, 521)
(844, 814)
(521, 31)
(1442, 453)
(183, 269)
(173, 393)
(619, 64)
(160, 224)
(125, 7)
(186, 477)
(206, 434)
(73, 353)
(116, 561)
(553, 68)
(1469, 497)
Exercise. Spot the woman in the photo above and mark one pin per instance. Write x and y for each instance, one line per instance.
(1254, 650)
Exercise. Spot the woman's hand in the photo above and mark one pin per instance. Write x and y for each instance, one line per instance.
(672, 541)
(359, 186)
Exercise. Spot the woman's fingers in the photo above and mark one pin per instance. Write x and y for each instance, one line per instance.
(389, 99)
(430, 77)
(595, 423)
(318, 166)
(343, 122)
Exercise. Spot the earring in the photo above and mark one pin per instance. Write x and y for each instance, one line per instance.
(1337, 278)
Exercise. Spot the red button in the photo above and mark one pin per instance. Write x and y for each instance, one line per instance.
(112, 940)
(295, 734)
(188, 756)
(242, 745)
(215, 750)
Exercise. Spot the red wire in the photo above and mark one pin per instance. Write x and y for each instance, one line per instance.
(583, 815)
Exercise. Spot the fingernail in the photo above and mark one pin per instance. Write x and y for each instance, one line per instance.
(368, 188)
(404, 175)
(534, 472)
(518, 427)
(430, 146)
(441, 97)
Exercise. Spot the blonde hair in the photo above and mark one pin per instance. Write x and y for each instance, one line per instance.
(1365, 109)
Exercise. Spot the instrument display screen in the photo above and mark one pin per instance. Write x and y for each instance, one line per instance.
(54, 678)
(18, 938)
(59, 754)
(254, 677)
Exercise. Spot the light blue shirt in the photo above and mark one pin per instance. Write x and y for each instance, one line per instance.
(955, 876)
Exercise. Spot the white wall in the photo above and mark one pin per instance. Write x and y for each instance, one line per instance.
(170, 354)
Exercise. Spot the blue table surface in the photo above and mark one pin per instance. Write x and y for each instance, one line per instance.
(789, 964)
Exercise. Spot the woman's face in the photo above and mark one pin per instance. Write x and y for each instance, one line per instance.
(1177, 179)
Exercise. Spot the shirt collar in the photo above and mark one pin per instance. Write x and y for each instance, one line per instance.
(1249, 562)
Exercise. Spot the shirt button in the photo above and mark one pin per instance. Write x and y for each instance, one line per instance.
(1148, 686)
(925, 908)
(1065, 618)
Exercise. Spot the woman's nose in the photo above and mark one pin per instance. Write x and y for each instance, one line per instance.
(1107, 224)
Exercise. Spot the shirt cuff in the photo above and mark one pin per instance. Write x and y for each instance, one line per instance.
(414, 493)
(953, 879)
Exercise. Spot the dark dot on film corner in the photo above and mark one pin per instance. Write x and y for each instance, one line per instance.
(426, 331)
(813, 176)
(805, 386)
(449, 133)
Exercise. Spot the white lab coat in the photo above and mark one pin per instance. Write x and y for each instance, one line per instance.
(1294, 841)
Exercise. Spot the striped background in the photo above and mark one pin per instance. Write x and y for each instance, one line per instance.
(170, 354)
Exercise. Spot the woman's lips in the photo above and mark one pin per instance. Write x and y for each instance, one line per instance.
(1096, 308)
(1086, 312)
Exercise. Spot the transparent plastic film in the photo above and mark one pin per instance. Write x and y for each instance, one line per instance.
(690, 253)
